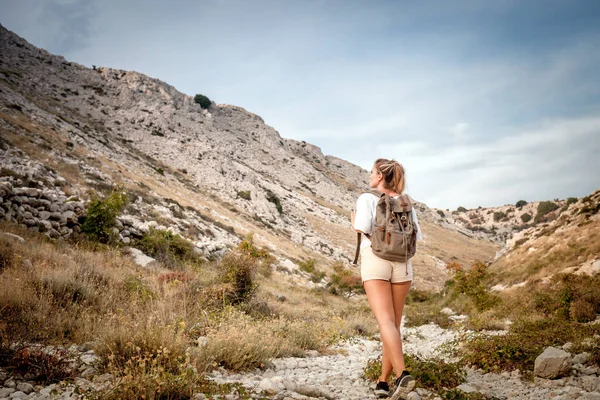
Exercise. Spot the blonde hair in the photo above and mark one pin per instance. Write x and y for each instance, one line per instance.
(393, 174)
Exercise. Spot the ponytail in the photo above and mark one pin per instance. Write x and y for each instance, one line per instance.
(393, 174)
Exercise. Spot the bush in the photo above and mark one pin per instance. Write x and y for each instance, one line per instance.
(521, 203)
(441, 213)
(526, 217)
(237, 271)
(272, 197)
(203, 101)
(102, 214)
(461, 209)
(434, 374)
(46, 367)
(244, 194)
(169, 248)
(344, 282)
(471, 283)
(499, 215)
(571, 200)
(263, 258)
(307, 266)
(543, 209)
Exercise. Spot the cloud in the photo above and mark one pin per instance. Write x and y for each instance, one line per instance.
(555, 159)
(59, 26)
(460, 92)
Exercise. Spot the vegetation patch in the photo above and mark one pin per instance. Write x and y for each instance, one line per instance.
(102, 215)
(202, 100)
(544, 208)
(244, 194)
(170, 249)
(273, 198)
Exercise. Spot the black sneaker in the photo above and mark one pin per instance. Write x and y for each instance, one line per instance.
(382, 390)
(404, 385)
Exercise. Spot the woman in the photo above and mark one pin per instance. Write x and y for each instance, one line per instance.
(386, 282)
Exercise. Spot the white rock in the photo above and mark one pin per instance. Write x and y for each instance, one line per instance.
(12, 236)
(581, 358)
(141, 259)
(89, 359)
(25, 387)
(552, 363)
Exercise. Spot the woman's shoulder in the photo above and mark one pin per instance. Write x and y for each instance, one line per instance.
(368, 197)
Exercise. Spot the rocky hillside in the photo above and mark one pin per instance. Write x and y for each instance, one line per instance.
(565, 240)
(211, 175)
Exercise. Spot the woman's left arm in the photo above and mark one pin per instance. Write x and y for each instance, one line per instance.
(419, 233)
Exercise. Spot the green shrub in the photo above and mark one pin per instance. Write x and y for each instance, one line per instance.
(202, 100)
(471, 283)
(307, 266)
(571, 200)
(519, 348)
(521, 203)
(244, 194)
(499, 215)
(263, 258)
(543, 209)
(237, 271)
(101, 216)
(137, 289)
(169, 248)
(441, 213)
(526, 217)
(272, 197)
(435, 374)
(461, 209)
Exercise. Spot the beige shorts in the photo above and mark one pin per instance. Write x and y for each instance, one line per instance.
(373, 267)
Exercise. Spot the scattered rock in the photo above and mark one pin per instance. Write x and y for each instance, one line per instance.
(581, 358)
(12, 236)
(141, 259)
(552, 363)
(25, 387)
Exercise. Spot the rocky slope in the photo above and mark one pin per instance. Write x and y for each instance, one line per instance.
(211, 175)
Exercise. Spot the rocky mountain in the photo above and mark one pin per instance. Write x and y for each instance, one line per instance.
(211, 175)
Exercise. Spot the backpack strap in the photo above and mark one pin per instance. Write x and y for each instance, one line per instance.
(358, 239)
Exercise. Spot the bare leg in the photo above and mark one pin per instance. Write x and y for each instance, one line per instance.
(380, 295)
(399, 293)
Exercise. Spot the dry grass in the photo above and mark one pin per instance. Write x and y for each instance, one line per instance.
(78, 292)
(567, 247)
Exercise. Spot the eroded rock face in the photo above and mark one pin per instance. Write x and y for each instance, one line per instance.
(552, 363)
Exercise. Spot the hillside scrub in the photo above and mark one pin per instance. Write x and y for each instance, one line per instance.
(543, 314)
(202, 100)
(146, 324)
(543, 209)
(102, 214)
(172, 250)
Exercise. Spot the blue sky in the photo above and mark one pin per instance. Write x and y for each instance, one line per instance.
(485, 103)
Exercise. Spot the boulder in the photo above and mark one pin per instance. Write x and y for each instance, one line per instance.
(552, 363)
(581, 358)
(141, 259)
(12, 236)
(5, 189)
(25, 387)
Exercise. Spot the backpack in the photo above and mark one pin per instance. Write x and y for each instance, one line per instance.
(394, 236)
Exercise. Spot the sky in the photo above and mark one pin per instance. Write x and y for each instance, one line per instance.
(484, 102)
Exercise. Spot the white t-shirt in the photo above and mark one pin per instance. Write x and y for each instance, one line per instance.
(364, 218)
